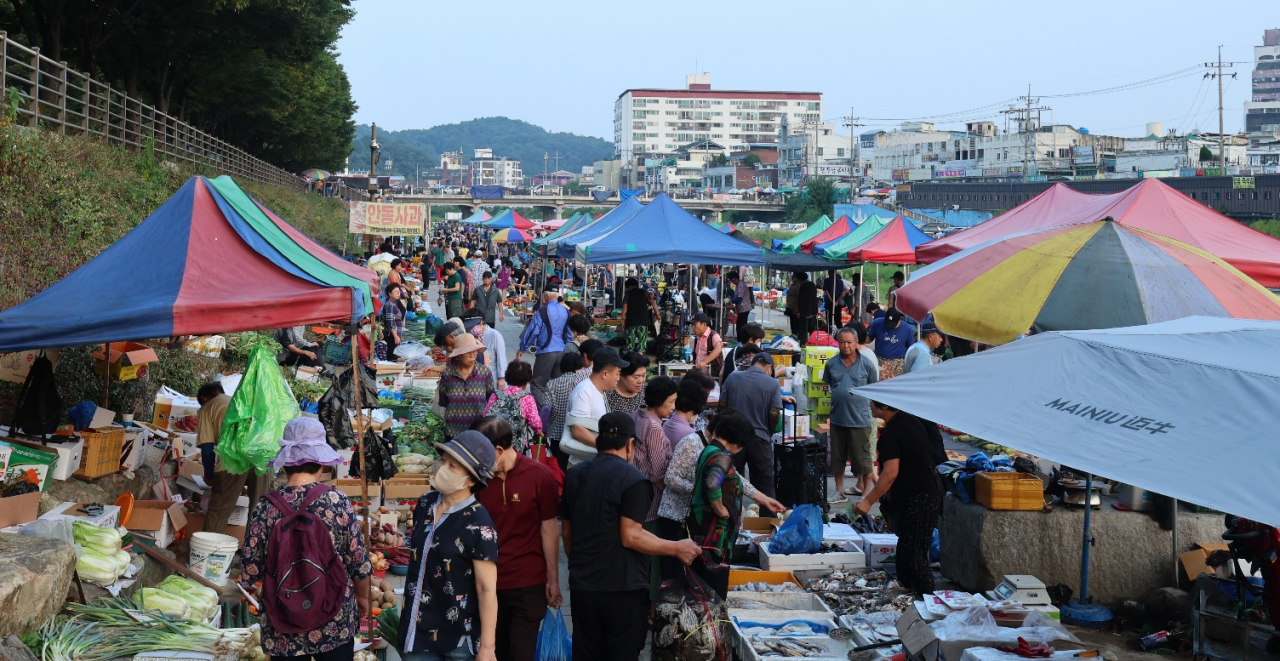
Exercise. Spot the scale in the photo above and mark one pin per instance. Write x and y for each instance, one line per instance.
(1023, 588)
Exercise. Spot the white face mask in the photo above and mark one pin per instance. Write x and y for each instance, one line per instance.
(449, 480)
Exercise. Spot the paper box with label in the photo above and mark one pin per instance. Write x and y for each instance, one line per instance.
(239, 516)
(128, 360)
(176, 413)
(69, 450)
(351, 488)
(14, 366)
(109, 518)
(401, 491)
(157, 519)
(880, 549)
(28, 460)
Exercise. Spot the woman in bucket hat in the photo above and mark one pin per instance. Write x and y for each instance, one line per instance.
(303, 451)
(450, 598)
(464, 386)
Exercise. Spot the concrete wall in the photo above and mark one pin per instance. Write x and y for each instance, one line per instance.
(1133, 554)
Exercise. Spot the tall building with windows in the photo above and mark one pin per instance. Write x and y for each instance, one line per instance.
(653, 123)
(1262, 111)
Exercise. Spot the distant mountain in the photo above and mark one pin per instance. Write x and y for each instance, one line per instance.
(511, 138)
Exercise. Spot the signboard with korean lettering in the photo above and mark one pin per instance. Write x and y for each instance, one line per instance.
(1013, 171)
(1082, 155)
(1242, 182)
(950, 174)
(832, 170)
(1036, 177)
(395, 219)
(991, 172)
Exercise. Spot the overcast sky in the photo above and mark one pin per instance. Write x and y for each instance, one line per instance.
(561, 65)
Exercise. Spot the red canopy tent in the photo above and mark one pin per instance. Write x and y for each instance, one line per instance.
(1150, 205)
(837, 229)
(895, 244)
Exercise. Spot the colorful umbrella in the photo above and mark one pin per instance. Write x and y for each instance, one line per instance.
(510, 235)
(1079, 277)
(316, 175)
(509, 219)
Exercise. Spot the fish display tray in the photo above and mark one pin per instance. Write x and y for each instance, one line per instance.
(850, 559)
(832, 650)
(807, 605)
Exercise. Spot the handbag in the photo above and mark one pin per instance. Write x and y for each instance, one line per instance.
(572, 446)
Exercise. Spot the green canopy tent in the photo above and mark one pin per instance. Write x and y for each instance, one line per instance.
(870, 227)
(792, 245)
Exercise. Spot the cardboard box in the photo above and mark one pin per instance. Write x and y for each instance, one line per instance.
(818, 356)
(343, 470)
(794, 425)
(69, 450)
(1195, 562)
(17, 510)
(131, 451)
(239, 516)
(760, 524)
(815, 389)
(15, 366)
(158, 519)
(169, 411)
(352, 490)
(820, 405)
(195, 523)
(308, 374)
(128, 360)
(404, 489)
(5, 452)
(110, 517)
(25, 458)
(881, 549)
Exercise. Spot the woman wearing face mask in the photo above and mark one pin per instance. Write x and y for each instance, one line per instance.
(450, 610)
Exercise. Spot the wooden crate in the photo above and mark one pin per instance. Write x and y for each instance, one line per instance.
(101, 454)
(1010, 491)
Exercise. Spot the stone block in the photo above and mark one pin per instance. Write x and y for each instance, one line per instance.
(1132, 555)
(35, 573)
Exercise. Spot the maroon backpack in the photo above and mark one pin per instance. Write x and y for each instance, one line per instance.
(306, 581)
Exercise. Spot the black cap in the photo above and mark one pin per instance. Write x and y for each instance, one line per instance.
(892, 315)
(617, 425)
(445, 331)
(929, 327)
(609, 356)
(701, 317)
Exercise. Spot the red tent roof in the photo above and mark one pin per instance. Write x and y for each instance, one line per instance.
(1150, 205)
(895, 244)
(837, 229)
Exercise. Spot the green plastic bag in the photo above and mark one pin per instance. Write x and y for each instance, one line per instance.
(256, 417)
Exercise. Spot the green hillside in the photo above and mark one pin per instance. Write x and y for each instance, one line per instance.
(511, 138)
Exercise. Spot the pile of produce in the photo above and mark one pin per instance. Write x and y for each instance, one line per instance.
(387, 537)
(201, 601)
(100, 559)
(420, 437)
(384, 596)
(383, 560)
(420, 400)
(27, 482)
(412, 463)
(112, 628)
(253, 651)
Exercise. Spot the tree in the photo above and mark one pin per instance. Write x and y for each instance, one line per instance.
(751, 160)
(1206, 154)
(719, 160)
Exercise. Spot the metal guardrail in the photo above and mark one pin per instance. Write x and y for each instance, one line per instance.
(50, 95)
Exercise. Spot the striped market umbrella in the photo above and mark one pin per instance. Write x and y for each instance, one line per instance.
(1079, 277)
(511, 235)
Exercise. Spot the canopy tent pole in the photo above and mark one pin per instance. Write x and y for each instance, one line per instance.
(106, 388)
(357, 384)
(1082, 611)
(1176, 574)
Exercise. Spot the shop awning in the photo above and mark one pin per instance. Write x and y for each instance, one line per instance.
(196, 266)
(1150, 205)
(663, 233)
(1115, 403)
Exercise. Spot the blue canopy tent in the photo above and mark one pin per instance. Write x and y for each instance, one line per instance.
(663, 232)
(476, 218)
(564, 247)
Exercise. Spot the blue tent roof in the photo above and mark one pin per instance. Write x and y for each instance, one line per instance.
(620, 214)
(663, 232)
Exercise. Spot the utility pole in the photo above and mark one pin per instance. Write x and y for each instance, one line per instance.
(375, 154)
(852, 123)
(1027, 126)
(1222, 143)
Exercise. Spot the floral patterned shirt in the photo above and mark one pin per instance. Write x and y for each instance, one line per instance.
(466, 397)
(447, 607)
(335, 510)
(620, 404)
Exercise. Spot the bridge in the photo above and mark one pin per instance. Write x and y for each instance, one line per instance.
(553, 206)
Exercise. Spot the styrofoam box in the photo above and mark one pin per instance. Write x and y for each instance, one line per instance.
(833, 650)
(881, 549)
(745, 651)
(803, 605)
(851, 559)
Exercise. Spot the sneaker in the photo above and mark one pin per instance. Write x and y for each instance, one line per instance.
(838, 498)
(848, 471)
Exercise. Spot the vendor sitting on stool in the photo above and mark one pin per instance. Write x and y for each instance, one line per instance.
(297, 350)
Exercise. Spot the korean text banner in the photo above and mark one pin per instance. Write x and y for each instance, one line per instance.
(389, 218)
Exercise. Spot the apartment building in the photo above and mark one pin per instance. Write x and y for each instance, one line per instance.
(654, 123)
(1262, 111)
(489, 170)
(813, 149)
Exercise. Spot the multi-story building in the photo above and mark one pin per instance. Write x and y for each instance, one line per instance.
(453, 172)
(557, 178)
(488, 170)
(1175, 152)
(654, 123)
(587, 176)
(607, 174)
(1262, 111)
(919, 152)
(682, 169)
(813, 149)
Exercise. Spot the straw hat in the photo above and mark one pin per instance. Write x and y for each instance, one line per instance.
(465, 344)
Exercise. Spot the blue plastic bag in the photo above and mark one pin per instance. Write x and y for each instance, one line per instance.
(554, 641)
(800, 533)
(935, 548)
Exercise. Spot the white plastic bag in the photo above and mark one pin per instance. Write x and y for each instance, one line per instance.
(408, 350)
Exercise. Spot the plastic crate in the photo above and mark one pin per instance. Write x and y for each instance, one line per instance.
(742, 576)
(1010, 491)
(800, 473)
(336, 353)
(101, 454)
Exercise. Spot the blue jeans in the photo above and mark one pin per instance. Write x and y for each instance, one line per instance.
(460, 653)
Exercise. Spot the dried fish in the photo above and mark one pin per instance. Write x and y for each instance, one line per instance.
(761, 586)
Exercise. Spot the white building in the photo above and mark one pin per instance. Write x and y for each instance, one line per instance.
(683, 169)
(653, 123)
(1174, 152)
(919, 152)
(488, 170)
(812, 149)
